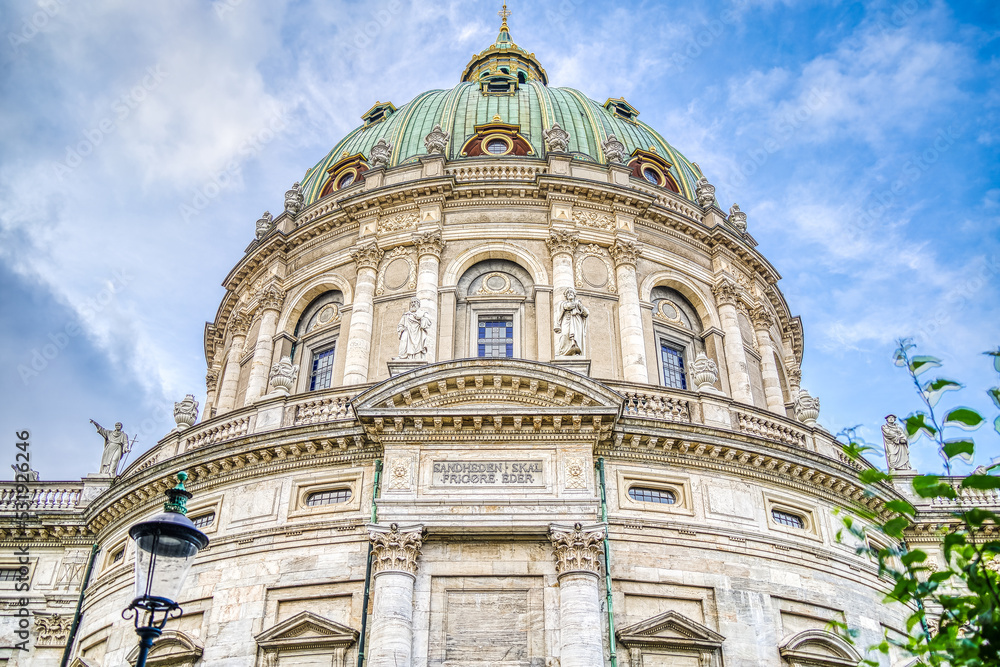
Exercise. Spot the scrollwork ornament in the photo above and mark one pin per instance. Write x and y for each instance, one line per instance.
(240, 324)
(614, 150)
(211, 379)
(271, 297)
(556, 139)
(761, 318)
(726, 293)
(380, 154)
(594, 219)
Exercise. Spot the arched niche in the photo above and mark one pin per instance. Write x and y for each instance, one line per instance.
(818, 648)
(302, 296)
(313, 344)
(495, 250)
(495, 310)
(699, 298)
(677, 336)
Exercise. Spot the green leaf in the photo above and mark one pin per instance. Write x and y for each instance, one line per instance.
(934, 389)
(996, 360)
(994, 393)
(938, 577)
(964, 418)
(931, 486)
(901, 506)
(895, 527)
(922, 364)
(981, 482)
(916, 424)
(977, 516)
(872, 476)
(913, 557)
(996, 424)
(959, 447)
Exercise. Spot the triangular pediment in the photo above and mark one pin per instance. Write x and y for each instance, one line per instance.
(80, 662)
(172, 648)
(819, 648)
(472, 385)
(670, 629)
(306, 629)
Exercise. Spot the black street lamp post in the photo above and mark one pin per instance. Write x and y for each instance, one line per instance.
(165, 547)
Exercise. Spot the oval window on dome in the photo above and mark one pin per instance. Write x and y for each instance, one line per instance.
(328, 497)
(648, 495)
(345, 180)
(651, 176)
(497, 146)
(788, 519)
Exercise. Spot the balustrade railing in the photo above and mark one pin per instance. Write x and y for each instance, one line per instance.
(657, 406)
(508, 171)
(34, 496)
(320, 409)
(213, 433)
(761, 426)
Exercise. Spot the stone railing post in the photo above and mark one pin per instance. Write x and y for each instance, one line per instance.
(736, 358)
(269, 303)
(239, 325)
(578, 551)
(359, 338)
(394, 568)
(429, 249)
(762, 322)
(625, 254)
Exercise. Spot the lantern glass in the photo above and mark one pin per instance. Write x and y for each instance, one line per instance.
(165, 548)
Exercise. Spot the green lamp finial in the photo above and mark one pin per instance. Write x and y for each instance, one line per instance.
(178, 496)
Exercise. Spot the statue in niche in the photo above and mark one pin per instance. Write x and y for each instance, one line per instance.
(896, 444)
(571, 325)
(413, 327)
(116, 445)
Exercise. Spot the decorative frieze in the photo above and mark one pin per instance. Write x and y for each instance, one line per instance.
(398, 222)
(625, 252)
(395, 549)
(594, 219)
(562, 241)
(576, 549)
(367, 256)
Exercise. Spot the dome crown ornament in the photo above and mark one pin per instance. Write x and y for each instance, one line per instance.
(504, 57)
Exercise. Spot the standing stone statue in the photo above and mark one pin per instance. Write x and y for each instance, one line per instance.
(116, 445)
(412, 328)
(896, 444)
(29, 475)
(571, 325)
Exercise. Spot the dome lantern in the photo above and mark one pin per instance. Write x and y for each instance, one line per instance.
(505, 59)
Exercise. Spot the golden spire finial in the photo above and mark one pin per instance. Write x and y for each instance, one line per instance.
(503, 14)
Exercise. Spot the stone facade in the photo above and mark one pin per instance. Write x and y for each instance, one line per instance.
(485, 533)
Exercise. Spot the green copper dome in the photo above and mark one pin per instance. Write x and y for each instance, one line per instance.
(531, 104)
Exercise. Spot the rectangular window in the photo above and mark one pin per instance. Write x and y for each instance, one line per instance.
(673, 366)
(10, 574)
(322, 370)
(496, 336)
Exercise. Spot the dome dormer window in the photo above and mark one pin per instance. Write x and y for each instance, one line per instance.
(649, 166)
(622, 109)
(496, 139)
(379, 112)
(344, 173)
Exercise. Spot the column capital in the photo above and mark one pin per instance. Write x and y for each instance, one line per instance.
(562, 241)
(211, 379)
(270, 297)
(239, 323)
(367, 256)
(762, 319)
(625, 252)
(394, 549)
(429, 243)
(726, 293)
(577, 548)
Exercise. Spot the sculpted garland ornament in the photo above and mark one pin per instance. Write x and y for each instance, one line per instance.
(186, 412)
(380, 154)
(264, 225)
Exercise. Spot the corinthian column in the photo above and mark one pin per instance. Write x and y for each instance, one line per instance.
(394, 564)
(239, 325)
(625, 254)
(429, 248)
(359, 338)
(762, 322)
(211, 387)
(269, 302)
(732, 343)
(578, 553)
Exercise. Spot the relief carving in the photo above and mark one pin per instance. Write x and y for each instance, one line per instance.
(395, 550)
(576, 549)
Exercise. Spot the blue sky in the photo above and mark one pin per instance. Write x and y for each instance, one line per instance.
(139, 143)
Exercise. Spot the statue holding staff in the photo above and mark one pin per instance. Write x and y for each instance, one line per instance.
(116, 445)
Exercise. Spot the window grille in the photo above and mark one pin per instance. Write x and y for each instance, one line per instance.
(118, 555)
(331, 497)
(322, 370)
(204, 520)
(787, 519)
(10, 574)
(673, 366)
(645, 495)
(496, 336)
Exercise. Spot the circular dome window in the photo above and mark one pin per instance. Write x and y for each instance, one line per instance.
(345, 180)
(651, 176)
(497, 146)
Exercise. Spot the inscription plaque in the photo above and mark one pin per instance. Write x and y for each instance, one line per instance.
(488, 473)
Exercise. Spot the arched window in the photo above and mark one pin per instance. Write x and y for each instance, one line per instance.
(494, 298)
(648, 495)
(677, 328)
(787, 519)
(315, 346)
